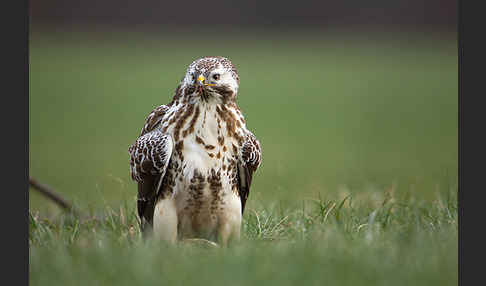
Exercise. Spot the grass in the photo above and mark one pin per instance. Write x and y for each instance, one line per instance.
(357, 186)
(379, 241)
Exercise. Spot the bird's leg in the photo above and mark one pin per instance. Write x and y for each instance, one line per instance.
(165, 220)
(228, 233)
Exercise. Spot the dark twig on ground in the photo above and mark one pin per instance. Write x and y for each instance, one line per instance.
(53, 195)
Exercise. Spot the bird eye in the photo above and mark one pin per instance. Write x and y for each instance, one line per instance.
(193, 76)
(216, 76)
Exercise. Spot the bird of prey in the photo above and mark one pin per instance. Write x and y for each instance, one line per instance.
(194, 159)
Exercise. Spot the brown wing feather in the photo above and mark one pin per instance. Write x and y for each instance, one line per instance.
(249, 163)
(149, 158)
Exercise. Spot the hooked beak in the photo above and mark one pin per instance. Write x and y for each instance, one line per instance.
(201, 80)
(200, 84)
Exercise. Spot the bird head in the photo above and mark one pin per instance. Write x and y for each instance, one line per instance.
(210, 78)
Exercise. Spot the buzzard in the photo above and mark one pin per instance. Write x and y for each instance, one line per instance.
(194, 159)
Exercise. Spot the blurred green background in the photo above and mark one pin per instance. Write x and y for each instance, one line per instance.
(336, 112)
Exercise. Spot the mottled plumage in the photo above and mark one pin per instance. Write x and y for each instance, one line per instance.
(195, 158)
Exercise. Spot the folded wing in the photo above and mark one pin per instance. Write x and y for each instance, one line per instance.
(248, 164)
(149, 158)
